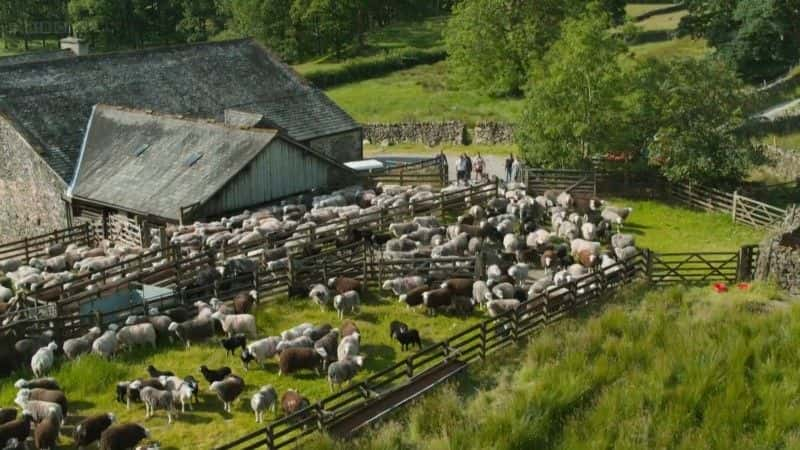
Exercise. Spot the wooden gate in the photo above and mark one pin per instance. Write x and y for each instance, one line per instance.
(693, 268)
(349, 261)
(576, 182)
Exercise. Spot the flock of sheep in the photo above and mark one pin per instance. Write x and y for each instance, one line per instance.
(528, 244)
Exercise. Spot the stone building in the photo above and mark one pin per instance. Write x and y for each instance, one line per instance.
(46, 103)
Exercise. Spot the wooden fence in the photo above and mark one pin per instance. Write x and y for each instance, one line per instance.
(36, 246)
(468, 346)
(432, 171)
(701, 267)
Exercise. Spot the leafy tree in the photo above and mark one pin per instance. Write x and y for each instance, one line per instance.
(268, 21)
(333, 23)
(202, 19)
(573, 105)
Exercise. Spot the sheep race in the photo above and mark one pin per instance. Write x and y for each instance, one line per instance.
(216, 368)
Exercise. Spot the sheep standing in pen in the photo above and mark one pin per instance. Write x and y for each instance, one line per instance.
(292, 402)
(349, 346)
(37, 408)
(155, 399)
(89, 430)
(44, 395)
(298, 358)
(321, 295)
(75, 347)
(42, 361)
(298, 342)
(328, 344)
(260, 351)
(243, 303)
(437, 298)
(40, 383)
(519, 272)
(193, 330)
(124, 436)
(142, 334)
(237, 324)
(296, 331)
(414, 297)
(348, 302)
(228, 390)
(106, 344)
(403, 285)
(265, 398)
(184, 393)
(343, 371)
(318, 332)
(499, 307)
(344, 284)
(45, 436)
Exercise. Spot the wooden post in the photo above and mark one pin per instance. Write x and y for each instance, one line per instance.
(483, 340)
(744, 270)
(409, 368)
(270, 439)
(27, 252)
(735, 202)
(648, 258)
(365, 265)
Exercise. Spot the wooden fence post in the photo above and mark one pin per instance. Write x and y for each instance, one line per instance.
(409, 367)
(483, 340)
(270, 439)
(648, 260)
(744, 270)
(733, 207)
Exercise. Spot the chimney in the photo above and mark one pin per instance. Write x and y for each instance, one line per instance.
(78, 46)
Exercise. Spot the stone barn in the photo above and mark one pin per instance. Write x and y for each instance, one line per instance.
(138, 171)
(45, 104)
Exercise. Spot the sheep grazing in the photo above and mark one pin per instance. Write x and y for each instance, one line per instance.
(294, 359)
(243, 303)
(155, 373)
(499, 307)
(321, 295)
(7, 415)
(40, 383)
(44, 395)
(89, 430)
(349, 346)
(299, 342)
(237, 324)
(193, 330)
(232, 343)
(396, 326)
(45, 436)
(155, 399)
(265, 398)
(437, 298)
(459, 286)
(347, 302)
(106, 344)
(18, 429)
(343, 371)
(124, 436)
(403, 285)
(414, 296)
(260, 351)
(292, 402)
(42, 361)
(296, 331)
(343, 284)
(407, 338)
(212, 375)
(75, 347)
(228, 390)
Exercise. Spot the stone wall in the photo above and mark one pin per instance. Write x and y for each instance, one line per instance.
(430, 134)
(779, 254)
(784, 163)
(341, 147)
(30, 193)
(492, 133)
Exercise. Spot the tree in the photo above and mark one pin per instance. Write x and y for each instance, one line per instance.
(573, 105)
(268, 21)
(201, 19)
(492, 44)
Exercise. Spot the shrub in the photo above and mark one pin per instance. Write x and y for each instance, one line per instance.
(375, 66)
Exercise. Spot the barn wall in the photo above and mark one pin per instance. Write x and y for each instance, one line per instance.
(343, 147)
(281, 170)
(30, 193)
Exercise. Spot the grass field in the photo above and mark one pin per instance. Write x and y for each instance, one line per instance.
(420, 94)
(89, 383)
(637, 9)
(787, 141)
(654, 369)
(663, 21)
(684, 47)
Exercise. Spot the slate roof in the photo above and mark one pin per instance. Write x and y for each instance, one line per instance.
(159, 181)
(51, 101)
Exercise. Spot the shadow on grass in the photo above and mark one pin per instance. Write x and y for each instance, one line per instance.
(379, 355)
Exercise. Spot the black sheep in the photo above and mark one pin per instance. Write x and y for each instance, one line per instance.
(212, 375)
(407, 338)
(123, 436)
(7, 415)
(179, 314)
(90, 429)
(18, 429)
(155, 373)
(317, 333)
(232, 343)
(397, 327)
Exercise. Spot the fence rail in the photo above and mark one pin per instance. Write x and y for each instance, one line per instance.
(36, 246)
(429, 171)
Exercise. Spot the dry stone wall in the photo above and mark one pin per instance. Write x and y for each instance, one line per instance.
(428, 133)
(493, 133)
(784, 163)
(779, 255)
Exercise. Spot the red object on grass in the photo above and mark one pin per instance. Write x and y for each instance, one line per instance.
(743, 286)
(719, 288)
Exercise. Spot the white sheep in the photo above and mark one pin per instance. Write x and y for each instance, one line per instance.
(42, 361)
(139, 334)
(261, 350)
(233, 324)
(501, 306)
(349, 346)
(265, 398)
(519, 272)
(402, 285)
(298, 342)
(106, 344)
(296, 331)
(349, 301)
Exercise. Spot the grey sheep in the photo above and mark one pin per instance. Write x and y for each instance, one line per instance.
(347, 302)
(75, 347)
(38, 409)
(233, 324)
(131, 336)
(342, 371)
(625, 253)
(299, 342)
(296, 331)
(349, 346)
(329, 343)
(503, 290)
(106, 344)
(479, 293)
(622, 240)
(261, 350)
(265, 398)
(402, 285)
(498, 307)
(155, 399)
(321, 296)
(193, 330)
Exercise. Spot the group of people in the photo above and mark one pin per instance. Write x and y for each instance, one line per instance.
(466, 166)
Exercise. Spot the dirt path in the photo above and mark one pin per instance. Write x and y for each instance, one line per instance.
(495, 165)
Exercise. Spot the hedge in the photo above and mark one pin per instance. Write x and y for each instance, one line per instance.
(371, 67)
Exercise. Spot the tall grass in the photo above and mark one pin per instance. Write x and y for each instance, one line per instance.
(674, 368)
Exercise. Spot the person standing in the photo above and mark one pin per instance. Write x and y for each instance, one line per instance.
(468, 174)
(509, 163)
(461, 168)
(479, 165)
(516, 168)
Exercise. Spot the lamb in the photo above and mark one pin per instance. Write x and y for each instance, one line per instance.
(296, 331)
(155, 373)
(414, 296)
(45, 436)
(300, 342)
(344, 370)
(193, 330)
(407, 337)
(292, 402)
(232, 343)
(349, 346)
(519, 272)
(7, 415)
(44, 395)
(344, 284)
(298, 358)
(89, 430)
(237, 324)
(347, 302)
(403, 285)
(396, 326)
(321, 295)
(243, 303)
(329, 344)
(38, 409)
(437, 298)
(228, 390)
(265, 398)
(499, 307)
(212, 375)
(40, 383)
(123, 436)
(131, 391)
(18, 429)
(348, 327)
(260, 351)
(42, 361)
(135, 335)
(75, 347)
(106, 344)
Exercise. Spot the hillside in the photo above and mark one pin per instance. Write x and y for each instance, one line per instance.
(673, 368)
